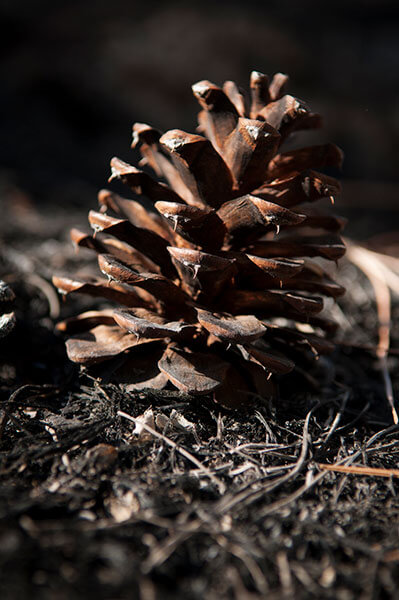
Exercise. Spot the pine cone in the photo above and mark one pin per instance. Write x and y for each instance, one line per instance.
(213, 268)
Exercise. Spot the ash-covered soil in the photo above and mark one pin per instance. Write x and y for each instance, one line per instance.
(199, 502)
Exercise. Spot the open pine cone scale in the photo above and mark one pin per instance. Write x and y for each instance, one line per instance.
(213, 278)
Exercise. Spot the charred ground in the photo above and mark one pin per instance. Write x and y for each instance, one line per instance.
(89, 509)
(227, 504)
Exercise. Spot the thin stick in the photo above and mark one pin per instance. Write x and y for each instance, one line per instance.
(359, 470)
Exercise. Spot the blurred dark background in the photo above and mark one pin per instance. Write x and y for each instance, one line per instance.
(76, 74)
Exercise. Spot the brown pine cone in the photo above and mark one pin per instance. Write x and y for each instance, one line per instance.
(212, 268)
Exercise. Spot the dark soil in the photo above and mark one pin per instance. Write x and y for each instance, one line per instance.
(88, 508)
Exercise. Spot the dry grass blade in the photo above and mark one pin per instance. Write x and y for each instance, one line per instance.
(382, 272)
(360, 470)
